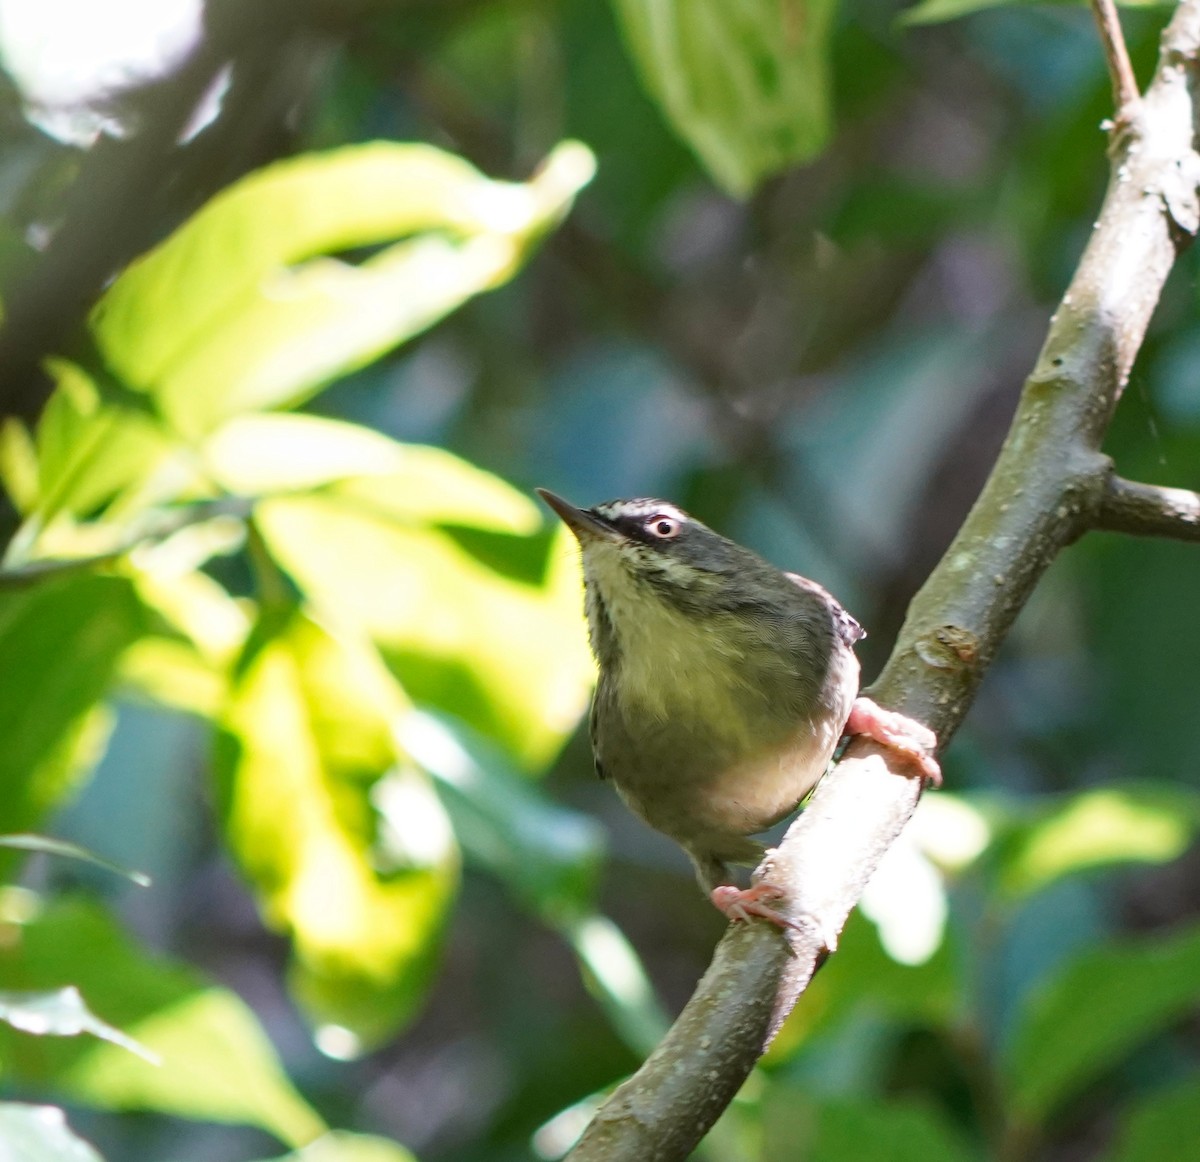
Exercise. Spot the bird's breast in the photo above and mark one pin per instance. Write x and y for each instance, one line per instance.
(709, 728)
(761, 788)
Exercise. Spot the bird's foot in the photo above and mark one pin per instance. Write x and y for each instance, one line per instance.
(909, 738)
(745, 903)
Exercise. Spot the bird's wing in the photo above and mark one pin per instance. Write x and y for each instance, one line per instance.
(847, 628)
(593, 732)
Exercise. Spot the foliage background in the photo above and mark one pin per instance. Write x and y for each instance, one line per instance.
(822, 368)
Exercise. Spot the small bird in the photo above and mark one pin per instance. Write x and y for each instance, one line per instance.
(725, 686)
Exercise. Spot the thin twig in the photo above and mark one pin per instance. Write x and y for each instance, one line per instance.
(1124, 83)
(1149, 510)
(1046, 489)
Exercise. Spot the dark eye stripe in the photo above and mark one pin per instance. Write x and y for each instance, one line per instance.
(636, 519)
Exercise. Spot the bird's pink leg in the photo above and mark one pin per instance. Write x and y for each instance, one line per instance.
(906, 736)
(742, 903)
(745, 903)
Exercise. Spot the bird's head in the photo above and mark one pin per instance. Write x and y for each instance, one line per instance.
(654, 542)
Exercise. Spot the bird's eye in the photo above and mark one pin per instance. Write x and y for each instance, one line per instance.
(663, 526)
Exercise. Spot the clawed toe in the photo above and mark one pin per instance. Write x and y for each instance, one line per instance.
(906, 736)
(742, 904)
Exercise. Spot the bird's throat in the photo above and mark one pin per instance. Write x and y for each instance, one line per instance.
(667, 664)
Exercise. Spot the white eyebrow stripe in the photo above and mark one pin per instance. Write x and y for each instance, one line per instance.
(639, 508)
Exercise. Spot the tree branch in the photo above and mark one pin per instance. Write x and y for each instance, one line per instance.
(1049, 485)
(1149, 510)
(1124, 83)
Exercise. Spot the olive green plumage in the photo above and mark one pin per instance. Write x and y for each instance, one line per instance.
(724, 682)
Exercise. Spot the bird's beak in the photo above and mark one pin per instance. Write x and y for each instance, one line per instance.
(582, 523)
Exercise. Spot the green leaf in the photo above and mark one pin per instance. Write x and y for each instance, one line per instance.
(1137, 824)
(746, 85)
(173, 674)
(796, 1126)
(89, 448)
(18, 464)
(52, 732)
(1153, 1129)
(408, 483)
(939, 11)
(60, 847)
(62, 1013)
(243, 308)
(347, 847)
(257, 455)
(217, 1065)
(615, 975)
(503, 649)
(186, 664)
(216, 1062)
(546, 854)
(40, 1134)
(1096, 1011)
(930, 994)
(340, 1146)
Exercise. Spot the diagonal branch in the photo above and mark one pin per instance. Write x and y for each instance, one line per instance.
(1047, 488)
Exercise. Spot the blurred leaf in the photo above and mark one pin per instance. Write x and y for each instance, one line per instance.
(906, 899)
(1136, 824)
(185, 664)
(1154, 1127)
(617, 978)
(546, 854)
(60, 847)
(518, 558)
(40, 1134)
(268, 454)
(173, 674)
(556, 1136)
(238, 311)
(261, 454)
(1095, 1011)
(939, 11)
(863, 976)
(951, 830)
(191, 603)
(349, 853)
(435, 487)
(62, 1013)
(745, 85)
(216, 1063)
(52, 735)
(18, 464)
(797, 1126)
(90, 448)
(340, 1146)
(506, 653)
